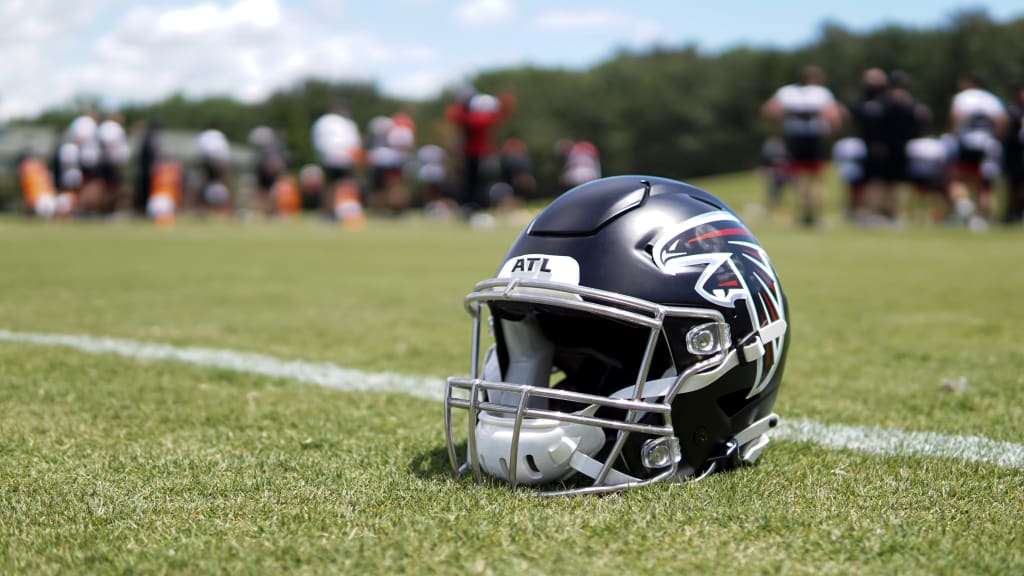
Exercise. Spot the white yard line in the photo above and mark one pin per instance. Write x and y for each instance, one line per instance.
(882, 441)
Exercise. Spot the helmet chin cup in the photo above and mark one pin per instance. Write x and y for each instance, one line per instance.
(544, 451)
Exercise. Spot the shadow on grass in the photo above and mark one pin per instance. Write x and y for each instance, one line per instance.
(434, 463)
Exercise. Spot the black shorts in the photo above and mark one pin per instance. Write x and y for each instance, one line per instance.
(894, 169)
(214, 170)
(111, 173)
(335, 173)
(265, 179)
(805, 148)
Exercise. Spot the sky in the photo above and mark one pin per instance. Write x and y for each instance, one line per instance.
(136, 51)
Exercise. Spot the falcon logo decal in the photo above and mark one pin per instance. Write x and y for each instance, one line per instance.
(732, 267)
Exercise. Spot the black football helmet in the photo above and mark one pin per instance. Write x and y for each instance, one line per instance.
(640, 334)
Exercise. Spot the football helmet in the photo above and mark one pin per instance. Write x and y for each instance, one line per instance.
(640, 334)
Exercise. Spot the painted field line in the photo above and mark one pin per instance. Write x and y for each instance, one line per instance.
(322, 374)
(881, 441)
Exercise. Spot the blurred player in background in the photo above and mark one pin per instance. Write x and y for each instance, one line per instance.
(581, 162)
(477, 115)
(271, 159)
(146, 160)
(515, 177)
(849, 156)
(1013, 157)
(312, 187)
(114, 155)
(392, 143)
(928, 171)
(517, 167)
(85, 155)
(432, 173)
(868, 113)
(978, 120)
(772, 169)
(905, 119)
(809, 114)
(214, 155)
(339, 148)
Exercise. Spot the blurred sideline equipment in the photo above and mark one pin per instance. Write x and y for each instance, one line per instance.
(165, 194)
(640, 334)
(285, 197)
(347, 207)
(37, 188)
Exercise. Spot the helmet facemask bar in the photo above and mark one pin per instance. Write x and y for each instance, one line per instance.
(608, 305)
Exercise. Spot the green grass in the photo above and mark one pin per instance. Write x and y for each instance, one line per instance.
(112, 465)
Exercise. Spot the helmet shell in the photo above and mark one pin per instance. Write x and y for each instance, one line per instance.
(674, 244)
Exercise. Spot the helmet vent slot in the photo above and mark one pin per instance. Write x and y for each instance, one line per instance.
(709, 202)
(531, 464)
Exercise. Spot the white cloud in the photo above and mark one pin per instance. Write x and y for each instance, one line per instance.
(246, 49)
(206, 17)
(424, 83)
(127, 51)
(579, 20)
(480, 13)
(37, 34)
(638, 31)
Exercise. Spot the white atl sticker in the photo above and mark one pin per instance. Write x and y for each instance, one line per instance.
(564, 269)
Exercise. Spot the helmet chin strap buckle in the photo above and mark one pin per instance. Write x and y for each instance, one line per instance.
(742, 449)
(753, 350)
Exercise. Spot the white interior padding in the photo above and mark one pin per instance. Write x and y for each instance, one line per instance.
(530, 355)
(546, 447)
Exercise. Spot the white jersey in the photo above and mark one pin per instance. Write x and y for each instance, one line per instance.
(82, 129)
(927, 158)
(68, 155)
(213, 145)
(848, 154)
(975, 115)
(70, 168)
(113, 143)
(336, 140)
(392, 143)
(849, 149)
(975, 102)
(582, 164)
(431, 160)
(992, 162)
(802, 105)
(82, 132)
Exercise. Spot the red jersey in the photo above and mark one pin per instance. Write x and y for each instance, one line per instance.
(477, 124)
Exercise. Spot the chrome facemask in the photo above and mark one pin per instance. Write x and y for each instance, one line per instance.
(512, 437)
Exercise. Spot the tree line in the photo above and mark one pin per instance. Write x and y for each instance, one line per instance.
(673, 111)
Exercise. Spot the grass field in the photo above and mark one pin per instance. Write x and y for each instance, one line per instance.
(109, 464)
